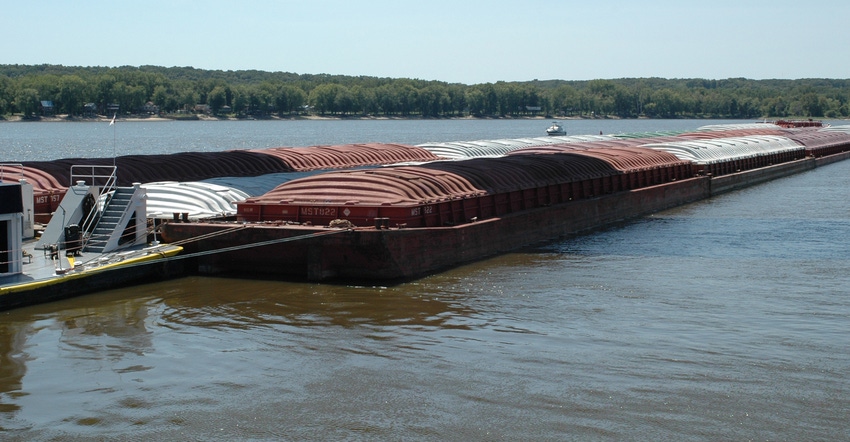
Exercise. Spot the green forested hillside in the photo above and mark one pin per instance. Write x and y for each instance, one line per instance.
(88, 91)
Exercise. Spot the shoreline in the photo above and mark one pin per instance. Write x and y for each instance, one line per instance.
(196, 117)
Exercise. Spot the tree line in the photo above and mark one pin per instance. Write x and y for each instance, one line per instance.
(128, 90)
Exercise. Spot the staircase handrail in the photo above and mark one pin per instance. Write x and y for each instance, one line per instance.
(105, 178)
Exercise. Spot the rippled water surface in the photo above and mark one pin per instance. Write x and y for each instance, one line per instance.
(721, 320)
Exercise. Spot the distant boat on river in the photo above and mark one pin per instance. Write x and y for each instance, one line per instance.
(556, 130)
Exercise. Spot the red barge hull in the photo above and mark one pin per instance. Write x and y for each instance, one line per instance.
(369, 253)
(403, 222)
(381, 254)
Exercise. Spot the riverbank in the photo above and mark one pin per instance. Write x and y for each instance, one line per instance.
(202, 117)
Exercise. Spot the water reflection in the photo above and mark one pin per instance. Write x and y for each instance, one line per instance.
(110, 332)
(221, 303)
(12, 366)
(121, 327)
(114, 326)
(146, 353)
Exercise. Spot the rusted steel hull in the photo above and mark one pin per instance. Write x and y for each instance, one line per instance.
(382, 254)
(388, 254)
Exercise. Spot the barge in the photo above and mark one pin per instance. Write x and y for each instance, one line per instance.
(401, 222)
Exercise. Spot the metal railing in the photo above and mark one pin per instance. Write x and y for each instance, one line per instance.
(105, 178)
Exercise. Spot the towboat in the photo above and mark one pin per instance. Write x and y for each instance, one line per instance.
(96, 240)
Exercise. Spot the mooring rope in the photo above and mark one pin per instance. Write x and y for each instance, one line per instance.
(207, 235)
(258, 244)
(230, 249)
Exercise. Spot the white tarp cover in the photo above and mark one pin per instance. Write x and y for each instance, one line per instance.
(726, 149)
(200, 200)
(491, 148)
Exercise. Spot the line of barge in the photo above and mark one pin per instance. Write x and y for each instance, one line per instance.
(382, 253)
(405, 222)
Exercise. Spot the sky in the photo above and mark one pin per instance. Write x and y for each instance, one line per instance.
(460, 41)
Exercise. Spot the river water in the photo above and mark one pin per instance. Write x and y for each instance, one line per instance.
(726, 319)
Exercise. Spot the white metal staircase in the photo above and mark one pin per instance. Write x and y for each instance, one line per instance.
(101, 216)
(117, 217)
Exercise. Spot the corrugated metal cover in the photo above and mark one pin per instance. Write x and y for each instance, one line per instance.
(485, 148)
(568, 139)
(726, 149)
(393, 185)
(635, 159)
(740, 126)
(187, 166)
(562, 147)
(199, 200)
(438, 181)
(625, 158)
(39, 179)
(732, 133)
(655, 134)
(197, 166)
(821, 139)
(347, 155)
(842, 128)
